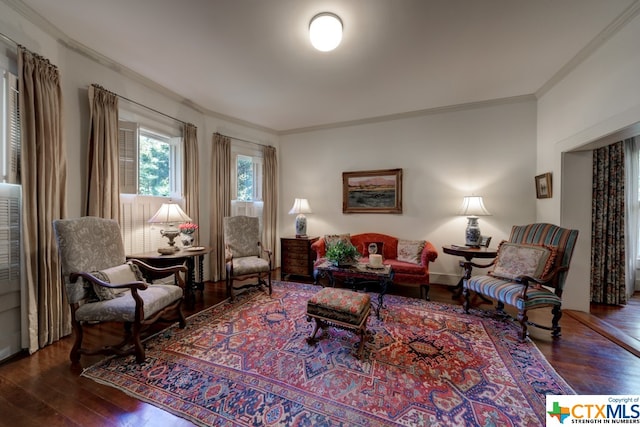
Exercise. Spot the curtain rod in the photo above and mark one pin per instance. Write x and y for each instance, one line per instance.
(9, 39)
(141, 105)
(243, 140)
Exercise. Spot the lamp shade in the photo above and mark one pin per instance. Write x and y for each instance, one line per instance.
(473, 206)
(300, 206)
(325, 31)
(169, 213)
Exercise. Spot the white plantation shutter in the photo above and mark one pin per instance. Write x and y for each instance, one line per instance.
(10, 266)
(128, 152)
(10, 153)
(137, 234)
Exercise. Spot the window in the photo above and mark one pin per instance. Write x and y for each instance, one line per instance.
(150, 168)
(149, 162)
(246, 180)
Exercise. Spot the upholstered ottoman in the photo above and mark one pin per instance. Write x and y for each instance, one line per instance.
(341, 308)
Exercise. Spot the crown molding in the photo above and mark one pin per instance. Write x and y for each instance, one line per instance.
(417, 113)
(612, 29)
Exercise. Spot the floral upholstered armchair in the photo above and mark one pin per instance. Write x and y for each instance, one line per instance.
(101, 286)
(244, 253)
(528, 273)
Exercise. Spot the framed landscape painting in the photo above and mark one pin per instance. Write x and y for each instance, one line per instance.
(377, 191)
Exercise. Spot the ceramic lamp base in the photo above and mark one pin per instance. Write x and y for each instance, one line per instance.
(301, 226)
(472, 233)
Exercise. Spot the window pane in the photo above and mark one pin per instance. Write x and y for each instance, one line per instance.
(245, 178)
(154, 163)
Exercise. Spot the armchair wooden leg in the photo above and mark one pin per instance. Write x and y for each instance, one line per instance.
(182, 322)
(229, 288)
(466, 294)
(137, 344)
(522, 318)
(269, 281)
(74, 355)
(555, 323)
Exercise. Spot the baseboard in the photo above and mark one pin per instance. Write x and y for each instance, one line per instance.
(607, 330)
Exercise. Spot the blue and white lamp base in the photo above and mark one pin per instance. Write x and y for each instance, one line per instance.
(301, 226)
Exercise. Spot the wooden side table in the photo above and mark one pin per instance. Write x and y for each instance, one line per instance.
(297, 256)
(187, 256)
(468, 254)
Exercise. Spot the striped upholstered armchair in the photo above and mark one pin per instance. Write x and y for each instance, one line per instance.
(529, 272)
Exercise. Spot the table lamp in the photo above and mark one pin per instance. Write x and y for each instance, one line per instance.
(301, 207)
(169, 214)
(473, 207)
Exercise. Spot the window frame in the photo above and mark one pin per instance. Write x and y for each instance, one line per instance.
(170, 135)
(241, 150)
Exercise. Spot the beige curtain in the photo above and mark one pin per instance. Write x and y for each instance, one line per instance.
(270, 198)
(191, 175)
(103, 192)
(44, 176)
(220, 201)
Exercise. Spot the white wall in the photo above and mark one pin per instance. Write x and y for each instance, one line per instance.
(599, 98)
(487, 150)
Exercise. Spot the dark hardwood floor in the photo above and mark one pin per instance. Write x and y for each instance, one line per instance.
(45, 389)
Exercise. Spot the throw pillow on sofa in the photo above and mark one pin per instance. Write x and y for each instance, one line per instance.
(372, 248)
(410, 250)
(332, 239)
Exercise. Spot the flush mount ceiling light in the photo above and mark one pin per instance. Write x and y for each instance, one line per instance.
(325, 31)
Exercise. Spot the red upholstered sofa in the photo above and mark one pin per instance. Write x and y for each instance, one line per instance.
(410, 273)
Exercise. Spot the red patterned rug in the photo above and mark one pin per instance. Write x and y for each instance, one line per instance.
(248, 364)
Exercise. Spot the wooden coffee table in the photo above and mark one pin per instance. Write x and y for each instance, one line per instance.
(356, 276)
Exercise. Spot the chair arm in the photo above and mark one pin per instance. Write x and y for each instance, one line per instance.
(429, 254)
(93, 279)
(269, 253)
(476, 265)
(163, 271)
(319, 247)
(171, 269)
(540, 281)
(544, 280)
(228, 255)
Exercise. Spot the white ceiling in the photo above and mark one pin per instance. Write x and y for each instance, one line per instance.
(251, 59)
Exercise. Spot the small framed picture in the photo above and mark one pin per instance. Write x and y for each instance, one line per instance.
(543, 186)
(484, 241)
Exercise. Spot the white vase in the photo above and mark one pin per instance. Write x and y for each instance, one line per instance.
(187, 239)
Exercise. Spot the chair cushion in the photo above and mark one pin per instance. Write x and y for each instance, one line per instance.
(517, 259)
(124, 273)
(410, 250)
(122, 309)
(249, 265)
(510, 292)
(340, 304)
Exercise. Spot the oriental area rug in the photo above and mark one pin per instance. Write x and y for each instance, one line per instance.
(424, 364)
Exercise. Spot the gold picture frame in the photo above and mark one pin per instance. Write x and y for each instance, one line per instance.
(374, 191)
(543, 186)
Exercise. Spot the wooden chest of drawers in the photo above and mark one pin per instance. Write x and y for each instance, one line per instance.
(297, 256)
